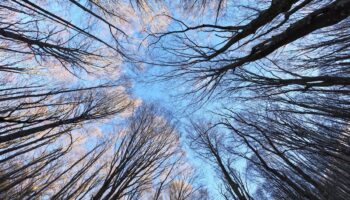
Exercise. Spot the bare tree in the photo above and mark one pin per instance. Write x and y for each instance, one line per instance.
(38, 117)
(209, 145)
(34, 122)
(243, 57)
(293, 156)
(148, 147)
(184, 187)
(281, 68)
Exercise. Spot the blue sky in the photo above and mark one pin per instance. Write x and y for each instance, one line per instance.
(166, 93)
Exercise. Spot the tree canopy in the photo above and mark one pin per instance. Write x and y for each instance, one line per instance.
(262, 92)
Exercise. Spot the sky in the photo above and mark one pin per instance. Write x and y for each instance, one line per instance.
(140, 82)
(167, 94)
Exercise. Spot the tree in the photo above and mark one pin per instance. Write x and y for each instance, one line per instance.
(35, 122)
(215, 66)
(209, 145)
(39, 116)
(280, 69)
(148, 147)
